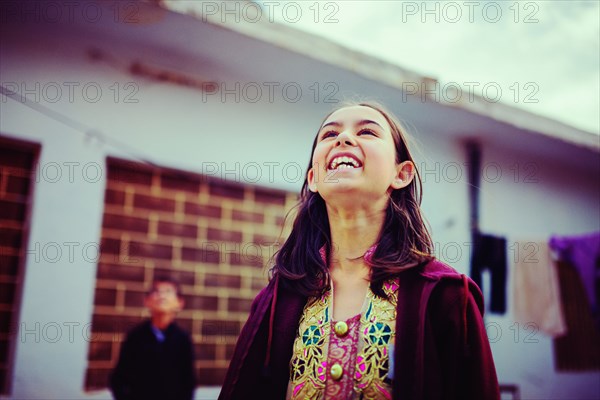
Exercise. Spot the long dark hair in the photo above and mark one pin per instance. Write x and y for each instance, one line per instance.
(404, 240)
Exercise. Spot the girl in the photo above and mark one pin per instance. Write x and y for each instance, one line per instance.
(358, 307)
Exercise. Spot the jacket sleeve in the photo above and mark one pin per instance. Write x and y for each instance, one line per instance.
(244, 342)
(462, 344)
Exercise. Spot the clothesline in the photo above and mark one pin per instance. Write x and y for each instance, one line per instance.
(554, 286)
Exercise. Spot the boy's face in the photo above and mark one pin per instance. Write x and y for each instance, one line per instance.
(163, 299)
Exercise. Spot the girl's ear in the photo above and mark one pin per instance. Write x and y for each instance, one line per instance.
(312, 181)
(405, 172)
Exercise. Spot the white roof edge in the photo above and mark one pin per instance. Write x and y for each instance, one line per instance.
(532, 122)
(375, 69)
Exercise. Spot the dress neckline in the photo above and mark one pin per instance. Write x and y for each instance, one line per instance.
(348, 320)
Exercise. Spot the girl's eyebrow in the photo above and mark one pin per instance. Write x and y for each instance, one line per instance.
(359, 123)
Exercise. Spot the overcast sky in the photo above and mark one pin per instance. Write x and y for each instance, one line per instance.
(544, 51)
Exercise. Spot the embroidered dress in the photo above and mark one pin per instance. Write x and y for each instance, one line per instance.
(342, 351)
(309, 367)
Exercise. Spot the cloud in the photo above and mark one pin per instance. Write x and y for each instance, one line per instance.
(553, 45)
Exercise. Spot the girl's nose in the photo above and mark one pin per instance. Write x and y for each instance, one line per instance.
(345, 138)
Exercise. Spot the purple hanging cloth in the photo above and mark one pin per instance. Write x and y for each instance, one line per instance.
(583, 253)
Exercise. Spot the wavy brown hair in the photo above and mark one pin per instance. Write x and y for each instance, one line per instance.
(404, 241)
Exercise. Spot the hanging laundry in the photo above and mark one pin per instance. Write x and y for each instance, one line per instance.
(535, 289)
(583, 253)
(579, 349)
(489, 252)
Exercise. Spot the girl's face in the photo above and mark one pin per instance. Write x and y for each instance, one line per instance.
(355, 154)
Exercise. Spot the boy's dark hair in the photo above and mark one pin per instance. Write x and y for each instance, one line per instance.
(165, 279)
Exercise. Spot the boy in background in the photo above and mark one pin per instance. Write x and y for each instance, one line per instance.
(157, 358)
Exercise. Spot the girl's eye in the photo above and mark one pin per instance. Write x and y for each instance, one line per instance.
(329, 134)
(367, 132)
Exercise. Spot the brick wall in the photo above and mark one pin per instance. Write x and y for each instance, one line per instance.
(17, 164)
(214, 236)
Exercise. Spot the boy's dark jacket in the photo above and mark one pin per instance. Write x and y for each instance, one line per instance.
(435, 357)
(149, 370)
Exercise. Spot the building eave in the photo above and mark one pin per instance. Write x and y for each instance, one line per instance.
(372, 68)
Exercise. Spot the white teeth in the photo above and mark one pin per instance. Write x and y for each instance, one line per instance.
(344, 162)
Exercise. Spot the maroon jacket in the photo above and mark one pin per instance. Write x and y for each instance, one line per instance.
(441, 349)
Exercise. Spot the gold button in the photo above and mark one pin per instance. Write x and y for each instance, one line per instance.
(336, 372)
(341, 328)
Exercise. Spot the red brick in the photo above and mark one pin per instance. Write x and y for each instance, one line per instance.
(16, 158)
(200, 302)
(203, 255)
(100, 351)
(238, 305)
(211, 376)
(247, 216)
(153, 203)
(183, 277)
(120, 272)
(228, 236)
(7, 292)
(134, 299)
(220, 280)
(110, 246)
(181, 181)
(178, 230)
(5, 319)
(18, 185)
(220, 328)
(150, 250)
(124, 223)
(97, 378)
(129, 172)
(202, 210)
(225, 189)
(245, 259)
(10, 237)
(10, 325)
(187, 324)
(279, 221)
(114, 323)
(129, 256)
(266, 240)
(115, 197)
(12, 211)
(105, 297)
(3, 351)
(253, 253)
(205, 351)
(9, 264)
(219, 242)
(270, 196)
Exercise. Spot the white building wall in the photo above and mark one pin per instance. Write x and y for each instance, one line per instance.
(532, 199)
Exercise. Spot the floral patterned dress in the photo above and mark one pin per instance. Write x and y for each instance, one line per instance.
(353, 365)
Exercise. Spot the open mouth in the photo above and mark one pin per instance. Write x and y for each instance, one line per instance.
(342, 161)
